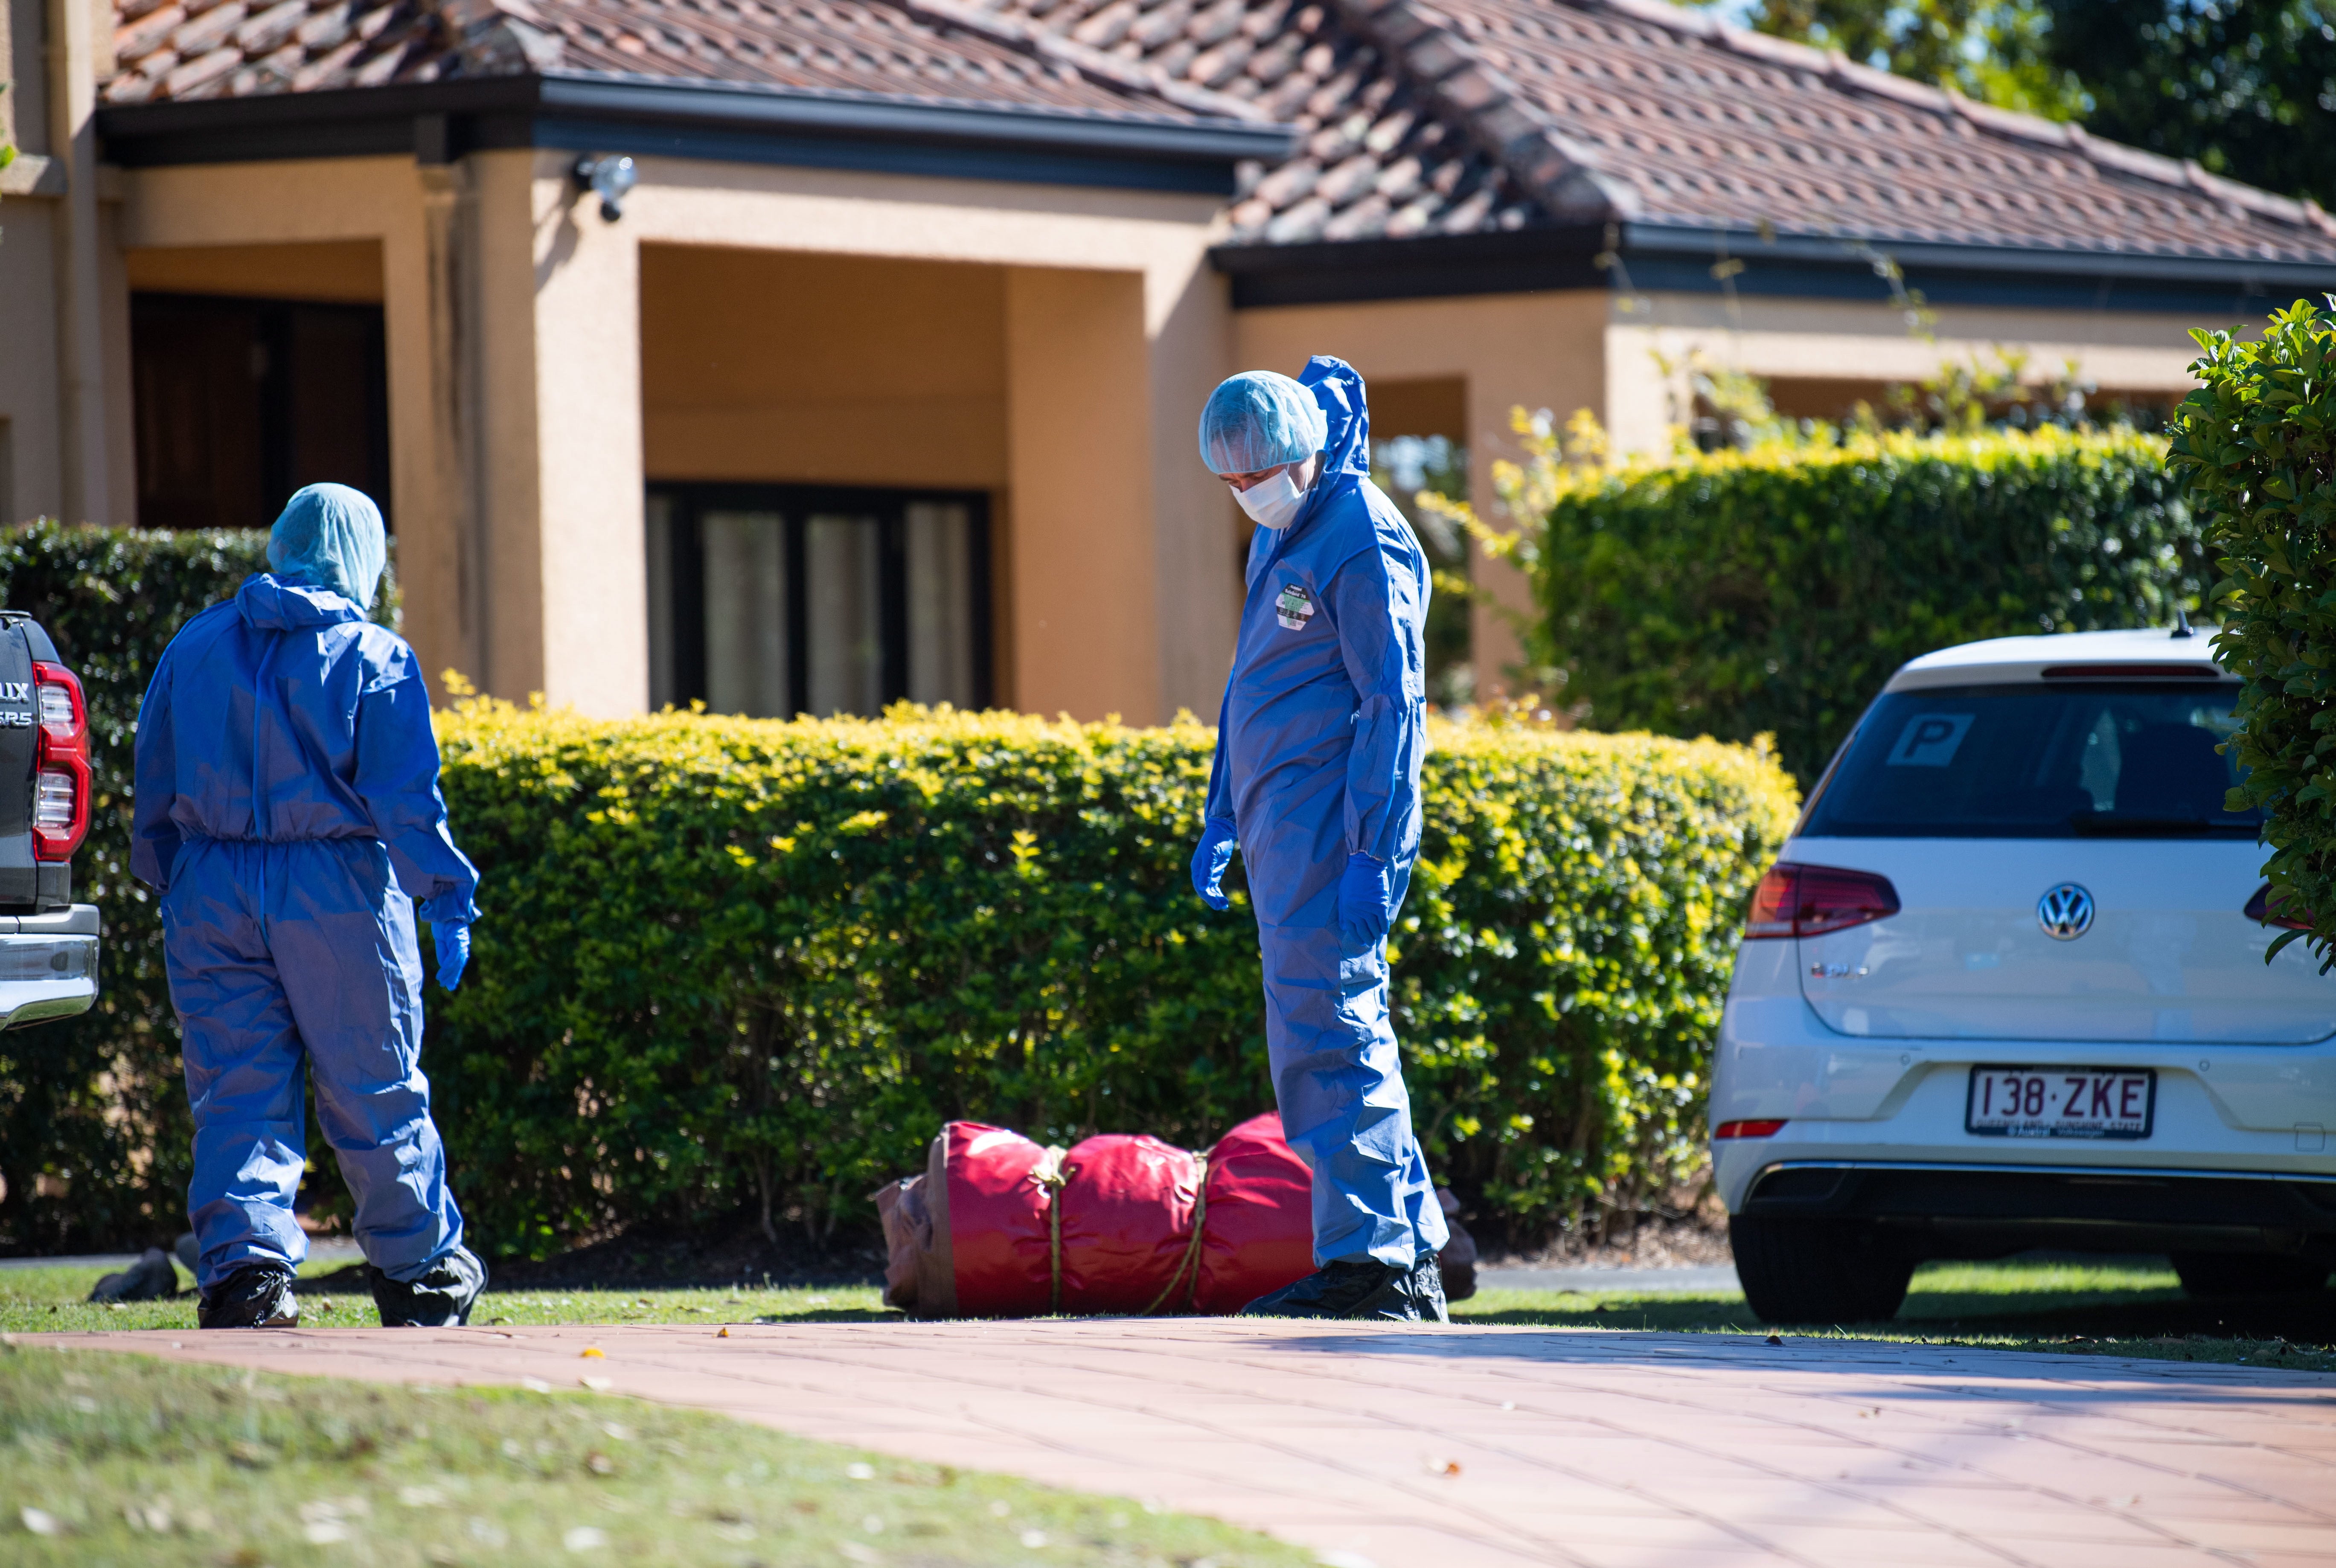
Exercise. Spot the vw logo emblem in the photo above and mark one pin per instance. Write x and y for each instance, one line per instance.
(2065, 913)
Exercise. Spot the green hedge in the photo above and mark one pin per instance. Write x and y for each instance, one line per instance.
(1772, 591)
(2253, 449)
(97, 1103)
(731, 962)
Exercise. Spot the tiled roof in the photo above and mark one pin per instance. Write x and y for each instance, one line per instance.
(921, 49)
(1467, 116)
(1415, 117)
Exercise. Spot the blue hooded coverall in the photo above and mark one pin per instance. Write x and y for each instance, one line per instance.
(1318, 749)
(288, 810)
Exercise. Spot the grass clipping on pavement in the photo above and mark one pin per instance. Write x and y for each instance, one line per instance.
(122, 1458)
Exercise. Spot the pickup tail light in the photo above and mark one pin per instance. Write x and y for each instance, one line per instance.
(1811, 900)
(61, 764)
(1748, 1128)
(2260, 910)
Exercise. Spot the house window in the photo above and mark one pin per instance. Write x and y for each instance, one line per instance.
(239, 402)
(774, 600)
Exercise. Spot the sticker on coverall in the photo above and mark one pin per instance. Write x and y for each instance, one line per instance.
(1294, 608)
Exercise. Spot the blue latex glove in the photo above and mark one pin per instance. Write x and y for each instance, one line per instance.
(454, 942)
(1210, 861)
(1365, 910)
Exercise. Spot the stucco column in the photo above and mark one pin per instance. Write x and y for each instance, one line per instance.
(81, 337)
(559, 545)
(1082, 558)
(1200, 535)
(429, 313)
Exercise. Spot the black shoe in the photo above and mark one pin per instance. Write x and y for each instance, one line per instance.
(1427, 1287)
(255, 1296)
(1348, 1288)
(441, 1298)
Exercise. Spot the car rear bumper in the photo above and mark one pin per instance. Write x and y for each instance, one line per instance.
(1962, 1211)
(48, 964)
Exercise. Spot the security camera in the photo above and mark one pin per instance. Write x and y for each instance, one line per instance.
(609, 176)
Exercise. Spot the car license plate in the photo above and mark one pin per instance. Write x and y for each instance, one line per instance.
(2095, 1102)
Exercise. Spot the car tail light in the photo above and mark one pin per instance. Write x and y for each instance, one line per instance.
(1748, 1128)
(61, 765)
(2259, 909)
(1811, 900)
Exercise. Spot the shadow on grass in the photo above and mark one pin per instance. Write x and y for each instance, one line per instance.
(2135, 1308)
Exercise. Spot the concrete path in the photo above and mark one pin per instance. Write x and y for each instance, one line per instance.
(1440, 1447)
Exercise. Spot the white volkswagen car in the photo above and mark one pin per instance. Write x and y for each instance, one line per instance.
(2005, 988)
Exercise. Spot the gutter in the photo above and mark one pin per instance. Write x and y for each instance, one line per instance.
(1853, 252)
(439, 122)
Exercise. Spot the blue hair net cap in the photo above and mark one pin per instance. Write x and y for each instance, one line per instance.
(1259, 419)
(331, 536)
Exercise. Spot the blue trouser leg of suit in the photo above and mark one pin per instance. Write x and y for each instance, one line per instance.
(1338, 1077)
(278, 952)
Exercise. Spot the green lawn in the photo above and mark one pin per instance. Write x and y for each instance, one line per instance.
(2070, 1308)
(108, 1458)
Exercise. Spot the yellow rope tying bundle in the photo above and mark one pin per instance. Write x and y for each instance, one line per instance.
(1191, 1258)
(1051, 1175)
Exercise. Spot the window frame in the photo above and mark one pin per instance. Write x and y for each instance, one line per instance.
(683, 616)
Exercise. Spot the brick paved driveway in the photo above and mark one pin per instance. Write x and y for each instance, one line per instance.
(1432, 1448)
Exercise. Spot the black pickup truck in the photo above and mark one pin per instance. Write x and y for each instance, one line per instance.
(48, 944)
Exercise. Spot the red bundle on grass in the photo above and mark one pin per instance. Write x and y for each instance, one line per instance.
(999, 1226)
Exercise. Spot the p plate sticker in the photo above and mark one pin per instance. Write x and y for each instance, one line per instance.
(1931, 739)
(1294, 608)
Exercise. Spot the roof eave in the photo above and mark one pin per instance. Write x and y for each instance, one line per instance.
(1659, 258)
(436, 121)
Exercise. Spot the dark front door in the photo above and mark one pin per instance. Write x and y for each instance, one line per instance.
(241, 401)
(774, 600)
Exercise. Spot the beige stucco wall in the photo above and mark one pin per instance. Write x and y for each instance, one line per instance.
(1050, 346)
(1511, 350)
(782, 366)
(1151, 332)
(174, 215)
(526, 406)
(1652, 349)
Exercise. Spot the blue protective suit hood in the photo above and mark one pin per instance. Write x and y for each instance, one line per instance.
(269, 603)
(1337, 386)
(1318, 749)
(331, 536)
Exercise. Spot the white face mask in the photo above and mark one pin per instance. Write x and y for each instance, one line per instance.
(1272, 503)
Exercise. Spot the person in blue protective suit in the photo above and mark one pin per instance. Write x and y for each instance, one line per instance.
(288, 811)
(1316, 782)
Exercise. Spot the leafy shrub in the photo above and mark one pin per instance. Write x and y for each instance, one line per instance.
(731, 962)
(1774, 590)
(2254, 450)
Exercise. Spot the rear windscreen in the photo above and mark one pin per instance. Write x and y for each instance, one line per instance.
(2073, 759)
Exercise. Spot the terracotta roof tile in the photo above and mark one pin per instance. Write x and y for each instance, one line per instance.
(924, 49)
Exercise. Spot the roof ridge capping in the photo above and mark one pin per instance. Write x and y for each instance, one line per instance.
(500, 37)
(2113, 156)
(1421, 43)
(1105, 69)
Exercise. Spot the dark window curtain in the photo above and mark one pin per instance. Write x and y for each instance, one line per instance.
(239, 402)
(774, 600)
